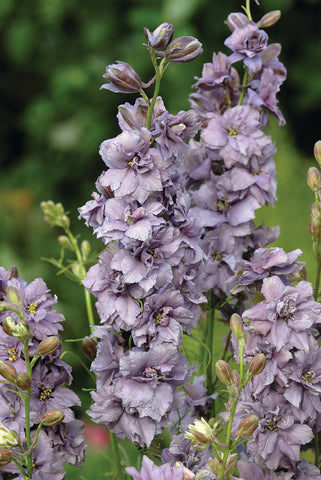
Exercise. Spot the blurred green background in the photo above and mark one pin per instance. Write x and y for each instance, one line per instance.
(53, 116)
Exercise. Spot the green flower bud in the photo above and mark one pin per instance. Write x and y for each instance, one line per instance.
(23, 381)
(64, 241)
(224, 372)
(313, 178)
(52, 417)
(315, 228)
(13, 295)
(317, 152)
(314, 212)
(257, 364)
(269, 19)
(236, 325)
(183, 49)
(200, 432)
(89, 347)
(48, 345)
(8, 438)
(54, 214)
(20, 330)
(85, 249)
(5, 456)
(247, 426)
(8, 371)
(78, 270)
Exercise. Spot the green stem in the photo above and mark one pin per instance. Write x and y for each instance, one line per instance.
(317, 278)
(245, 78)
(114, 445)
(209, 332)
(159, 73)
(27, 409)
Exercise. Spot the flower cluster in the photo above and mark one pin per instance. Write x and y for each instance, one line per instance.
(230, 171)
(285, 396)
(147, 280)
(39, 431)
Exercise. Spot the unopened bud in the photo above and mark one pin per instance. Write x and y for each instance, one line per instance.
(20, 330)
(5, 456)
(78, 270)
(122, 78)
(85, 249)
(23, 381)
(269, 19)
(315, 228)
(64, 241)
(313, 178)
(48, 345)
(52, 417)
(215, 464)
(183, 49)
(12, 272)
(8, 371)
(54, 214)
(317, 152)
(257, 364)
(236, 325)
(161, 36)
(314, 212)
(89, 347)
(224, 372)
(247, 426)
(65, 222)
(13, 295)
(8, 438)
(236, 20)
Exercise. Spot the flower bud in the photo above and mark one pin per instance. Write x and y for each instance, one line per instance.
(257, 364)
(8, 371)
(224, 372)
(89, 347)
(85, 249)
(8, 438)
(317, 152)
(236, 20)
(20, 330)
(215, 465)
(54, 214)
(313, 178)
(200, 432)
(12, 272)
(48, 345)
(13, 295)
(236, 325)
(23, 381)
(52, 417)
(5, 456)
(78, 270)
(314, 211)
(64, 241)
(183, 49)
(65, 222)
(122, 78)
(315, 228)
(160, 37)
(269, 19)
(247, 426)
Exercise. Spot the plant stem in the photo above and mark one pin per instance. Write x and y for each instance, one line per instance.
(27, 409)
(317, 278)
(114, 445)
(245, 77)
(159, 73)
(209, 331)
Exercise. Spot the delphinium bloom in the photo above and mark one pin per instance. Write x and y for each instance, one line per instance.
(150, 470)
(30, 349)
(148, 279)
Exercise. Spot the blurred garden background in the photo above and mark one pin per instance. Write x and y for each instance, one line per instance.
(53, 54)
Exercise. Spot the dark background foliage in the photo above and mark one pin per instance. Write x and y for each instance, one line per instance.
(53, 115)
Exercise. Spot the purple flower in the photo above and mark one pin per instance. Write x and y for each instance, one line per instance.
(149, 470)
(237, 135)
(68, 439)
(131, 117)
(247, 44)
(134, 167)
(287, 316)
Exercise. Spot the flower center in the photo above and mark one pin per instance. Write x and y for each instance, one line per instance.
(32, 307)
(45, 394)
(232, 131)
(217, 256)
(12, 354)
(271, 425)
(307, 376)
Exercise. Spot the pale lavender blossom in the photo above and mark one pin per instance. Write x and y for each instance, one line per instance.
(134, 117)
(247, 44)
(149, 470)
